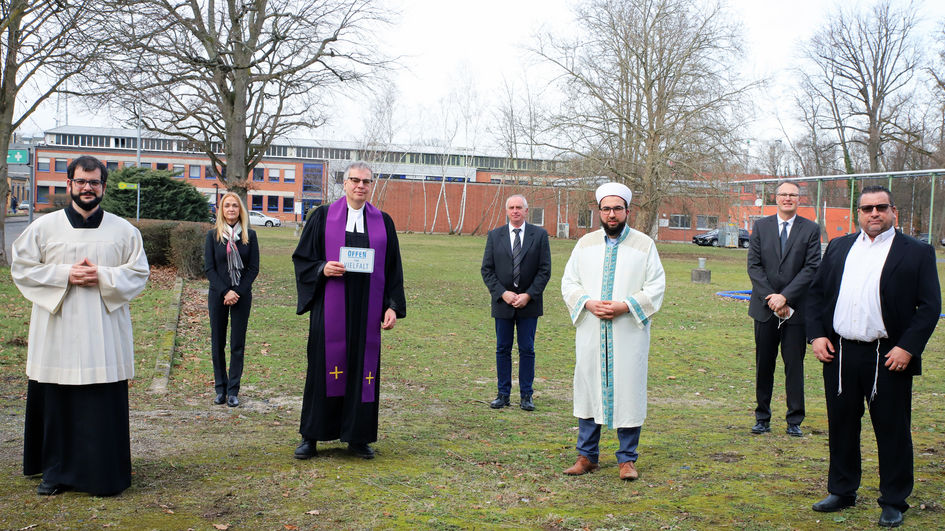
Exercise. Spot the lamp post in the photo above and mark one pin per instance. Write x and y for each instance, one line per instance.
(216, 188)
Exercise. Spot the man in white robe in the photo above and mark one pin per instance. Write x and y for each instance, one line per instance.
(80, 267)
(612, 285)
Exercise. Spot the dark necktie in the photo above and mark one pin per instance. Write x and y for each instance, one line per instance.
(516, 257)
(783, 237)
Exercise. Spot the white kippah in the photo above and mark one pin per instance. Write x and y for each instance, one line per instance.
(616, 189)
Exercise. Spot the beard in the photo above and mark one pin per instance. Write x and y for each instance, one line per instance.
(88, 206)
(615, 231)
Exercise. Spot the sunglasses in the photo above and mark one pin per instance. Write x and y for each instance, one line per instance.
(882, 207)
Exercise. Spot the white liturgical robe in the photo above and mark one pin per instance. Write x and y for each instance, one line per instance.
(611, 356)
(79, 335)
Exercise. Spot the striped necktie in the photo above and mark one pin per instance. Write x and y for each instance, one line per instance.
(516, 257)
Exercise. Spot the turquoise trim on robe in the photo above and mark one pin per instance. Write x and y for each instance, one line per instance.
(607, 330)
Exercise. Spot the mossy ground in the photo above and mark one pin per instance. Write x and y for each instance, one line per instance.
(445, 460)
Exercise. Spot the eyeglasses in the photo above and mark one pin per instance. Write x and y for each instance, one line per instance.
(355, 181)
(882, 207)
(615, 210)
(792, 196)
(82, 182)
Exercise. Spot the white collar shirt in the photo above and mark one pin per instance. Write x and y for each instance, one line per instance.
(355, 221)
(521, 235)
(858, 315)
(790, 224)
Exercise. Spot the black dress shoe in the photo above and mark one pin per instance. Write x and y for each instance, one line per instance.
(833, 503)
(46, 488)
(794, 430)
(232, 401)
(221, 398)
(500, 402)
(890, 517)
(362, 450)
(526, 403)
(761, 427)
(306, 449)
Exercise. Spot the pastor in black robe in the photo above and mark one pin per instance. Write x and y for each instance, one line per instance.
(349, 418)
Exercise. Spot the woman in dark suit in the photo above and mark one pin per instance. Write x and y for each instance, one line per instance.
(231, 262)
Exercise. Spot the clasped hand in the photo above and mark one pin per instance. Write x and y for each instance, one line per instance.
(778, 304)
(606, 309)
(516, 300)
(83, 273)
(230, 298)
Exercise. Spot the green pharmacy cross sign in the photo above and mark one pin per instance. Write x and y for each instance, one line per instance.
(18, 156)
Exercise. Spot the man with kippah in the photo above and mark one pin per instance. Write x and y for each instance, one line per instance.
(612, 285)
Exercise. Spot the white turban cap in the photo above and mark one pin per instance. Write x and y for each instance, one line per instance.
(614, 189)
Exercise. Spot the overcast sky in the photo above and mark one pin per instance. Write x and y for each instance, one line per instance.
(448, 46)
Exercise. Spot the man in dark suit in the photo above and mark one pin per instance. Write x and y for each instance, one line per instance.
(871, 309)
(516, 267)
(783, 255)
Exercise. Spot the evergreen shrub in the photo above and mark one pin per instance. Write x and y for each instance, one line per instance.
(187, 246)
(174, 243)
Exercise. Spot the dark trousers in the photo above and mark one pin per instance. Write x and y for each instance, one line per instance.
(504, 334)
(791, 339)
(238, 315)
(891, 415)
(588, 443)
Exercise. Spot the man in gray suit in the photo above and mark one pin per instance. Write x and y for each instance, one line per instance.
(516, 267)
(783, 256)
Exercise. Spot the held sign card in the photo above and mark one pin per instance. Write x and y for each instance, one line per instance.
(357, 259)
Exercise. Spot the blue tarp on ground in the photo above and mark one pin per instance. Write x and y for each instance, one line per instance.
(745, 294)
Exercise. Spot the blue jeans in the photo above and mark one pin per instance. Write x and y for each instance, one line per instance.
(589, 437)
(504, 331)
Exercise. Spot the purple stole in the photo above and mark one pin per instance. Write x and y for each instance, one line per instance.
(336, 352)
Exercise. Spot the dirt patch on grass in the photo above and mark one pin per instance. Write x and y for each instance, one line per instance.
(726, 457)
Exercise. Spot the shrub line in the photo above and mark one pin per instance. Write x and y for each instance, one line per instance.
(165, 358)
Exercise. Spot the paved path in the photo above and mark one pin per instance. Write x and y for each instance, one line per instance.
(12, 228)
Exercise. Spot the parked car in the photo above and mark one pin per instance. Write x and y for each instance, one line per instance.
(712, 238)
(258, 218)
(924, 236)
(23, 205)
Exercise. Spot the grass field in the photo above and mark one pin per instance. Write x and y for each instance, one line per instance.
(445, 460)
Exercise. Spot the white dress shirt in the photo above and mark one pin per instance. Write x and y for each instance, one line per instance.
(521, 235)
(858, 315)
(355, 221)
(790, 225)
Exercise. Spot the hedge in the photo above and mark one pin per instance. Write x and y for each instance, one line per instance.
(174, 243)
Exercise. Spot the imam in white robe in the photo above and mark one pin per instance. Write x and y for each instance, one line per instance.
(79, 335)
(610, 367)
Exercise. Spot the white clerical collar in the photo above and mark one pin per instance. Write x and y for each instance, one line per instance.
(355, 219)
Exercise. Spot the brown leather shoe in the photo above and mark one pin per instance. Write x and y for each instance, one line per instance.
(582, 466)
(628, 471)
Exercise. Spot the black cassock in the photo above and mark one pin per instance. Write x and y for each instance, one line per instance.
(346, 417)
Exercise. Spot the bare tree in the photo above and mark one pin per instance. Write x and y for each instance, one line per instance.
(228, 77)
(774, 158)
(41, 48)
(814, 152)
(935, 71)
(864, 68)
(648, 95)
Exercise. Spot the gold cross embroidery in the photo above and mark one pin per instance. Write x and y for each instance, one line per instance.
(369, 378)
(336, 372)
